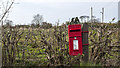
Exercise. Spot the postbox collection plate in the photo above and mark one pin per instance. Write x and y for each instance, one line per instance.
(75, 44)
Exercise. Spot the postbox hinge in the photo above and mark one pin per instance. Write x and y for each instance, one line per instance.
(85, 31)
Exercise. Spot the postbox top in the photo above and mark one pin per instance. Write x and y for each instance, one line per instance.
(74, 30)
(74, 26)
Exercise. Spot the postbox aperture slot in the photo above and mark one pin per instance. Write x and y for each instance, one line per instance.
(77, 30)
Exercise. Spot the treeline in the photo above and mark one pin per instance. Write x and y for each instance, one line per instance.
(44, 25)
(38, 22)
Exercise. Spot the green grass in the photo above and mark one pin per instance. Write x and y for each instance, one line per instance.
(89, 64)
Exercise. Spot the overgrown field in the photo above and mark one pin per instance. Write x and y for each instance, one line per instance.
(50, 47)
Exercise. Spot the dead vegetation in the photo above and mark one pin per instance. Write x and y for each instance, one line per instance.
(37, 46)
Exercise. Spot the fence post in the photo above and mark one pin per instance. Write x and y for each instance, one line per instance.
(85, 44)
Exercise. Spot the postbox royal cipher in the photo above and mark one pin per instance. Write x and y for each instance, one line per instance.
(75, 39)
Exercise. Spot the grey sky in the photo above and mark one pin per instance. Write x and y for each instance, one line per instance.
(119, 10)
(52, 10)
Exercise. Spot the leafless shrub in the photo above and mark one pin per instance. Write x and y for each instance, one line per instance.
(38, 46)
(42, 46)
(103, 37)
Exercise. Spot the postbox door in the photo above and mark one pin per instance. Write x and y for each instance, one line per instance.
(76, 45)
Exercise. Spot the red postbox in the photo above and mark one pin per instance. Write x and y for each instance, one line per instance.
(75, 39)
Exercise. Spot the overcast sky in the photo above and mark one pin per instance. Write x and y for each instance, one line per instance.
(52, 10)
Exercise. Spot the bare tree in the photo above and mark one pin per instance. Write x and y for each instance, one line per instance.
(8, 23)
(4, 11)
(38, 19)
